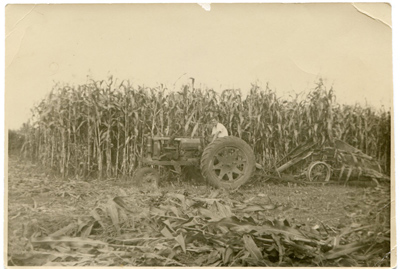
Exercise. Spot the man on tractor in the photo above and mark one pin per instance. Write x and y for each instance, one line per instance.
(218, 129)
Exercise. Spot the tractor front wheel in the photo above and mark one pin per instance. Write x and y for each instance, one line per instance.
(147, 176)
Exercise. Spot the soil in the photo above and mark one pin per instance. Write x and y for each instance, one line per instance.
(40, 203)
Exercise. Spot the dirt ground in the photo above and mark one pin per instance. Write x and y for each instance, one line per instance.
(42, 205)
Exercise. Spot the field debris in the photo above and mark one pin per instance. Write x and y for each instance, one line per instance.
(119, 226)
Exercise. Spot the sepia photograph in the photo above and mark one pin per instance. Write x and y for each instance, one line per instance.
(199, 135)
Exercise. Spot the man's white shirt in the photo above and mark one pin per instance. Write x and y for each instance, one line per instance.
(221, 129)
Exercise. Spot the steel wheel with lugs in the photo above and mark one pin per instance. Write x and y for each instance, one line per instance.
(318, 172)
(228, 162)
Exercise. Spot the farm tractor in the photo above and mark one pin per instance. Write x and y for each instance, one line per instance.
(228, 162)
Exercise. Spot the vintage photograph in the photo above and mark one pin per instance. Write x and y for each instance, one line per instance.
(191, 135)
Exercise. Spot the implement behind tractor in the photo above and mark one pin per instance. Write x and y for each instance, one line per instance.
(338, 160)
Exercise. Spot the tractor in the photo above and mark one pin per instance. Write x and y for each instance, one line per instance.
(227, 162)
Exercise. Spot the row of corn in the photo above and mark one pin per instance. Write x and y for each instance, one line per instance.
(98, 129)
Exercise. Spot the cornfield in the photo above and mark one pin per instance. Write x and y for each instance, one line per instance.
(98, 129)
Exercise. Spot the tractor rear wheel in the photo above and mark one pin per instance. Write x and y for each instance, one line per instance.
(228, 162)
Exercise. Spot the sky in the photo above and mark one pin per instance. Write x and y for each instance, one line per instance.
(288, 46)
